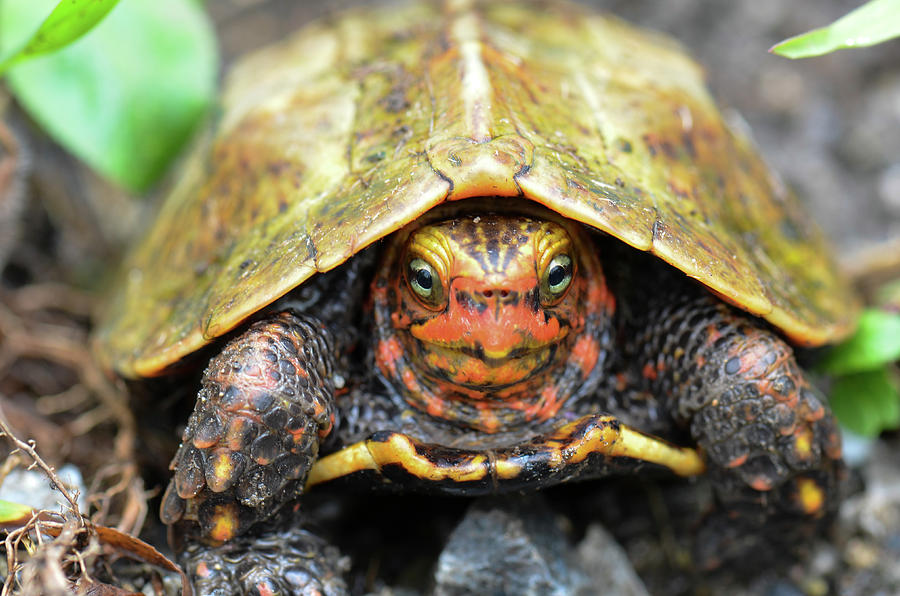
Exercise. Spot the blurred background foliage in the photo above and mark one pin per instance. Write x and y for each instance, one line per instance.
(122, 91)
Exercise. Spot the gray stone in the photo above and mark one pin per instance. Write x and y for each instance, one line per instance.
(519, 546)
(607, 565)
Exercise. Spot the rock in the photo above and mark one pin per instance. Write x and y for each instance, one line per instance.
(607, 565)
(519, 546)
(32, 488)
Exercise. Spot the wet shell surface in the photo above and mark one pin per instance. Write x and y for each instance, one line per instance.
(359, 124)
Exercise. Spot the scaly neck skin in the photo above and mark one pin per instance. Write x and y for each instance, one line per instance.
(491, 321)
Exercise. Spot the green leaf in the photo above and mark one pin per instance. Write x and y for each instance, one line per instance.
(126, 97)
(867, 402)
(875, 343)
(69, 20)
(14, 513)
(872, 23)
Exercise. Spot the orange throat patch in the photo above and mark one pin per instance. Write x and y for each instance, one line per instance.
(491, 321)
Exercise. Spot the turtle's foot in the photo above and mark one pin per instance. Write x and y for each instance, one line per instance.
(774, 453)
(265, 404)
(289, 561)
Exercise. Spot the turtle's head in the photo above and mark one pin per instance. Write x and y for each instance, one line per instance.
(485, 307)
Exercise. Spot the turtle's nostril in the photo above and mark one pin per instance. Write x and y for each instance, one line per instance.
(490, 293)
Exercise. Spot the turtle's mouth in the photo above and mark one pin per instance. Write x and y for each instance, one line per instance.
(493, 356)
(473, 367)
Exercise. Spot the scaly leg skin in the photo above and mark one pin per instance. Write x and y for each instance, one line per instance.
(266, 403)
(288, 560)
(772, 445)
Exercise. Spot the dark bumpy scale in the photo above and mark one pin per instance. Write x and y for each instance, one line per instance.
(774, 448)
(740, 389)
(265, 404)
(290, 561)
(335, 298)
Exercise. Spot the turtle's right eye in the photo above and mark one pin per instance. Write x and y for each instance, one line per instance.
(425, 282)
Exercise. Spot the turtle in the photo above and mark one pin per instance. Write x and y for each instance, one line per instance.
(473, 247)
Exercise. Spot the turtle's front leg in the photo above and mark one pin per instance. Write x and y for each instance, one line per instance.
(772, 446)
(266, 403)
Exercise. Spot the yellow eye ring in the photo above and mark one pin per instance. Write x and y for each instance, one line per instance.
(425, 283)
(557, 277)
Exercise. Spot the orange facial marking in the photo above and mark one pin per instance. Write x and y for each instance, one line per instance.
(389, 351)
(649, 372)
(586, 352)
(409, 379)
(548, 406)
(479, 317)
(488, 417)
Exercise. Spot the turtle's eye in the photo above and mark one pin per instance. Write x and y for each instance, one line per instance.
(425, 282)
(557, 277)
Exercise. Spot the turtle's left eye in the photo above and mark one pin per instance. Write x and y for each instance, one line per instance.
(557, 277)
(425, 282)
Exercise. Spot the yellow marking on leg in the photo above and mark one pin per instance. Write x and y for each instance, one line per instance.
(810, 495)
(223, 472)
(225, 523)
(681, 460)
(399, 450)
(603, 438)
(803, 443)
(348, 460)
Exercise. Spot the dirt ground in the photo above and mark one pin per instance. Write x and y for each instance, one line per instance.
(830, 126)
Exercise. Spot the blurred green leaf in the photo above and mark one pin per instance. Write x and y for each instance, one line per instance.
(887, 297)
(874, 22)
(867, 402)
(126, 97)
(14, 513)
(69, 20)
(875, 343)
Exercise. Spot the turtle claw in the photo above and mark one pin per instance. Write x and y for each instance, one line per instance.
(265, 404)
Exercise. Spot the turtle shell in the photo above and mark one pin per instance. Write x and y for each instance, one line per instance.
(361, 123)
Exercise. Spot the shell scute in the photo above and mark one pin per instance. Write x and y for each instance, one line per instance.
(357, 125)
